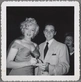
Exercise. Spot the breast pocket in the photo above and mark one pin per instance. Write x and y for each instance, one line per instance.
(53, 59)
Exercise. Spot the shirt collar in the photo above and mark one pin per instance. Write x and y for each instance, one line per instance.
(72, 53)
(49, 42)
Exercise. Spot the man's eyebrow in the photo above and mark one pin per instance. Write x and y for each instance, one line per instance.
(52, 29)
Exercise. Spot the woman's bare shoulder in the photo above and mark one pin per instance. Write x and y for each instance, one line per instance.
(16, 44)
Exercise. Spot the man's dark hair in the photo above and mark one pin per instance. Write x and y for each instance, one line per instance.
(50, 23)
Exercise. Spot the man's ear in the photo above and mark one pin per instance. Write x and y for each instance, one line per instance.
(55, 33)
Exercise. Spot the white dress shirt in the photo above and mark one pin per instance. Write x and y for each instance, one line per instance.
(49, 42)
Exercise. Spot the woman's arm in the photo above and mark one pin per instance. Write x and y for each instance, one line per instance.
(10, 60)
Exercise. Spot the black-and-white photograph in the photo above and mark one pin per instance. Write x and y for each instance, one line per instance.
(40, 41)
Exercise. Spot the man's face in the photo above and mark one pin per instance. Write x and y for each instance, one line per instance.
(49, 32)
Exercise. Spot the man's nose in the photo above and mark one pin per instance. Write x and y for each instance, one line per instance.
(48, 32)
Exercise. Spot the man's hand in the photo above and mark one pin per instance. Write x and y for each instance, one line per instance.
(42, 66)
(45, 73)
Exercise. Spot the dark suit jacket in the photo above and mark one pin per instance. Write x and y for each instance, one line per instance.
(71, 70)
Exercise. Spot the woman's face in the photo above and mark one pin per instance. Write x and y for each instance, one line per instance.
(29, 31)
(69, 41)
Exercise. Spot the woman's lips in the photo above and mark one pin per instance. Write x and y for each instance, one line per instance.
(28, 34)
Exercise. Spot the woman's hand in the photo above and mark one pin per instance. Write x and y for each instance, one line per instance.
(33, 61)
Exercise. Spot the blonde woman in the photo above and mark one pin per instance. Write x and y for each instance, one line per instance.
(23, 53)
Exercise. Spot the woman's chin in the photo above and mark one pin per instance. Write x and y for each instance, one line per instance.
(28, 37)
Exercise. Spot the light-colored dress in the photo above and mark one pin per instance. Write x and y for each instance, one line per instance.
(23, 54)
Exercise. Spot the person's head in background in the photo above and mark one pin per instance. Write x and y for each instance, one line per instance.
(69, 40)
(29, 28)
(49, 32)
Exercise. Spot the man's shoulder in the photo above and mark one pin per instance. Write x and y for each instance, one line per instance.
(41, 44)
(58, 43)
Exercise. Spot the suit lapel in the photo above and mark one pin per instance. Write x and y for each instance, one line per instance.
(42, 50)
(51, 49)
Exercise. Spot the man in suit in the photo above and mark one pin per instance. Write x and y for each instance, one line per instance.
(54, 55)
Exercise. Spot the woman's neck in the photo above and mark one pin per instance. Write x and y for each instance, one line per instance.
(26, 40)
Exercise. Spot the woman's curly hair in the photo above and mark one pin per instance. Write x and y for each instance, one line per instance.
(28, 22)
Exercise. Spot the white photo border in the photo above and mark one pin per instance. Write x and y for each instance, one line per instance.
(76, 41)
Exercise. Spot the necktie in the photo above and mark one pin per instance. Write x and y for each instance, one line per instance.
(46, 49)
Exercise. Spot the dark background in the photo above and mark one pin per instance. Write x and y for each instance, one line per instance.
(79, 1)
(61, 17)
